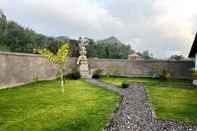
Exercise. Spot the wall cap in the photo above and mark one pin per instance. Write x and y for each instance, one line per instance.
(19, 54)
(97, 59)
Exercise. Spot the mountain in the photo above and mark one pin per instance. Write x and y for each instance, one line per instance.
(16, 38)
(110, 40)
(62, 38)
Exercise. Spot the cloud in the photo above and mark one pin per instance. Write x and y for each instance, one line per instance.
(163, 27)
(64, 17)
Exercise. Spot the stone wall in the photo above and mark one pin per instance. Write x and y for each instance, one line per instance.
(18, 68)
(179, 69)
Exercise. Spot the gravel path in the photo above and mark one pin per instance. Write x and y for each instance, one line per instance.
(104, 85)
(135, 113)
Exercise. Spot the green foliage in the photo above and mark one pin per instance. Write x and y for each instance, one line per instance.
(97, 73)
(148, 82)
(4, 48)
(112, 50)
(75, 74)
(165, 75)
(60, 58)
(16, 38)
(174, 103)
(74, 46)
(84, 107)
(173, 99)
(125, 84)
(161, 73)
(146, 55)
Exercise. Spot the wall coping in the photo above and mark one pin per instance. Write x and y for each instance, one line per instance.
(23, 54)
(19, 54)
(126, 60)
(97, 59)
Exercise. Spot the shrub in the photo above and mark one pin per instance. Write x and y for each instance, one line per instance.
(125, 84)
(161, 73)
(97, 73)
(165, 75)
(75, 74)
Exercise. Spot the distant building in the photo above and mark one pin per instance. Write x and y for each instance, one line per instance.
(193, 54)
(134, 56)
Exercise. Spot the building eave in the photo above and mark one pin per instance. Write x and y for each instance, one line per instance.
(193, 50)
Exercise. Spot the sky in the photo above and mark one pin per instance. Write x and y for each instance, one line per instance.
(164, 27)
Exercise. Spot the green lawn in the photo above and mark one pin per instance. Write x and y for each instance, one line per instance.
(147, 81)
(82, 107)
(170, 99)
(174, 103)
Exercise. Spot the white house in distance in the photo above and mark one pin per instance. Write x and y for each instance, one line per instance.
(193, 54)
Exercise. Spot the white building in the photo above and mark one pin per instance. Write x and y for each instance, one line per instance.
(193, 54)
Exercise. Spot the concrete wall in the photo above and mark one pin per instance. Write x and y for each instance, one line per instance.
(179, 69)
(18, 68)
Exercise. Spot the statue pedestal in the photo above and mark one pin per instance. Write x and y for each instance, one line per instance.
(84, 70)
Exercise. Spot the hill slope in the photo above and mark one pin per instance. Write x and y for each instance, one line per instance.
(110, 40)
(15, 38)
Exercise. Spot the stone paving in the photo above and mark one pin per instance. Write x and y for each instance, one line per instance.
(135, 113)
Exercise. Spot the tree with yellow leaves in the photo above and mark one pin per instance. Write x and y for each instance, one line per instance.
(60, 59)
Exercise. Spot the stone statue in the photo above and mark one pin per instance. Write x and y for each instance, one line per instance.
(82, 60)
(82, 45)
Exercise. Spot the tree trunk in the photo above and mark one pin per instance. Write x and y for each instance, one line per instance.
(62, 81)
(62, 78)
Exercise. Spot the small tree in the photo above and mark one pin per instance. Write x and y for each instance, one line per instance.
(60, 59)
(146, 55)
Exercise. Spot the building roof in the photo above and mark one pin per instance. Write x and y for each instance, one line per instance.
(133, 55)
(193, 50)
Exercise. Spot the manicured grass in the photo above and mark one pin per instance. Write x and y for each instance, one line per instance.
(174, 99)
(147, 81)
(174, 103)
(82, 107)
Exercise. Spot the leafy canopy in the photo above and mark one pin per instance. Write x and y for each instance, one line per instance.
(58, 58)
